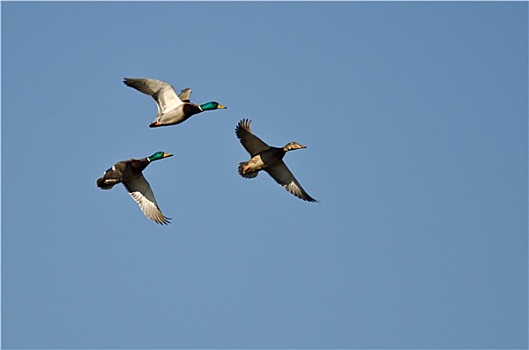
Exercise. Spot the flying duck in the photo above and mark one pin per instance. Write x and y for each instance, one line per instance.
(129, 172)
(269, 159)
(172, 108)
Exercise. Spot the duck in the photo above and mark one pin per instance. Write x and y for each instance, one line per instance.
(269, 159)
(130, 173)
(172, 108)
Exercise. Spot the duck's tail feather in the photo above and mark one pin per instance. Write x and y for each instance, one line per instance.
(245, 174)
(105, 184)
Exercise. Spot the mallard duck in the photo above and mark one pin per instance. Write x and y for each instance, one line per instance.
(172, 109)
(269, 159)
(129, 172)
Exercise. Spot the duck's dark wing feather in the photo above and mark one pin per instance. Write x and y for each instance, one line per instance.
(250, 142)
(280, 172)
(140, 190)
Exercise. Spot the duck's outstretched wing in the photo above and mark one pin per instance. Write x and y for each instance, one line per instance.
(140, 190)
(185, 95)
(280, 172)
(162, 92)
(250, 142)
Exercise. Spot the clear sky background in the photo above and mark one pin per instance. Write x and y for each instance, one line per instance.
(415, 118)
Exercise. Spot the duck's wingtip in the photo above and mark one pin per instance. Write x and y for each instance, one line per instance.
(164, 221)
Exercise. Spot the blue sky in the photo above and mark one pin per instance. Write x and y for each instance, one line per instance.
(415, 118)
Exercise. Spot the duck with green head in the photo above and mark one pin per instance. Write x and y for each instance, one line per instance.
(269, 159)
(172, 108)
(130, 174)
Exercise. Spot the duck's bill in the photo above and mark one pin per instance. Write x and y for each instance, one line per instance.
(221, 107)
(165, 155)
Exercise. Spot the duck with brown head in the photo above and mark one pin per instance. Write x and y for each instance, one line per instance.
(269, 159)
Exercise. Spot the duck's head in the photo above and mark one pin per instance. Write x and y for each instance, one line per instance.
(211, 105)
(292, 146)
(159, 155)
